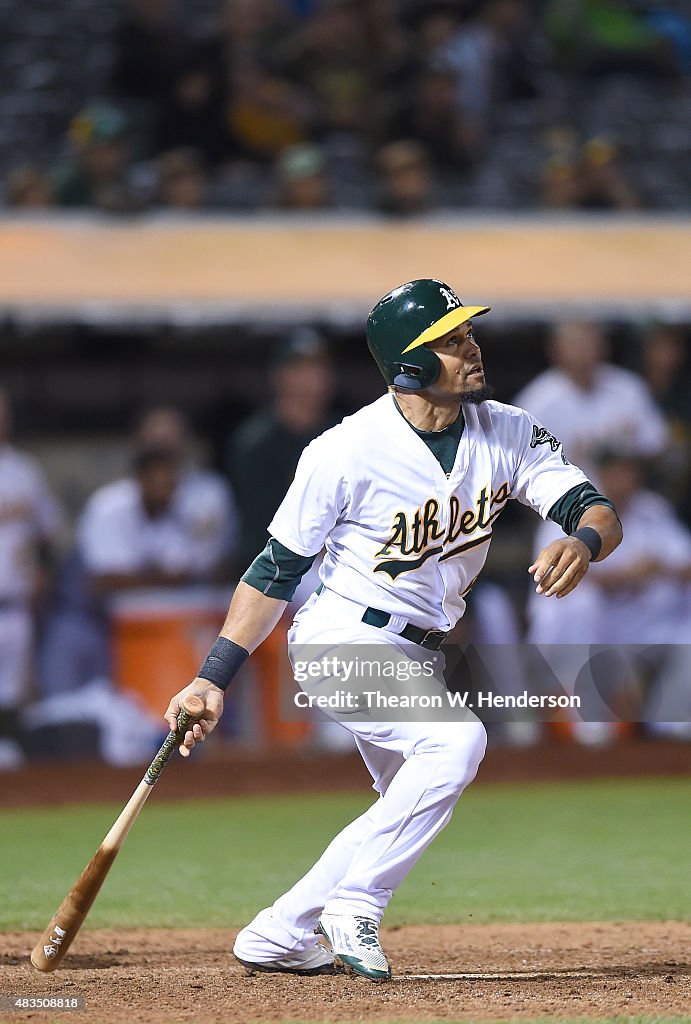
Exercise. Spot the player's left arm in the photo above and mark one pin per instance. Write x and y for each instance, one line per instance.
(541, 474)
(560, 567)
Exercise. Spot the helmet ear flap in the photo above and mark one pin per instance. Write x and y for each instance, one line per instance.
(409, 377)
(420, 375)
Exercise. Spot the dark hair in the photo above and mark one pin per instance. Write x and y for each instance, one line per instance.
(302, 343)
(146, 458)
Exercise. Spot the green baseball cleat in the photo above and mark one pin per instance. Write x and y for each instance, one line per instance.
(355, 942)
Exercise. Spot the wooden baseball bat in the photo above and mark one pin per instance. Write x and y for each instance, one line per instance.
(70, 915)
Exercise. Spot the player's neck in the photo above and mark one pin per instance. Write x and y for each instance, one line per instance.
(425, 414)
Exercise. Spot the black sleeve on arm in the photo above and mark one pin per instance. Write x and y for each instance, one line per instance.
(571, 506)
(277, 571)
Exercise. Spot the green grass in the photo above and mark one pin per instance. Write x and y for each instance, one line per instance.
(576, 851)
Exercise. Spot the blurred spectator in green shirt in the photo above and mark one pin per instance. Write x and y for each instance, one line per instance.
(265, 449)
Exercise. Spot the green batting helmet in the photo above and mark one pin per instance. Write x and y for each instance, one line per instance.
(401, 324)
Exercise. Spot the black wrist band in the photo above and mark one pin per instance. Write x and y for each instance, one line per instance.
(591, 538)
(222, 662)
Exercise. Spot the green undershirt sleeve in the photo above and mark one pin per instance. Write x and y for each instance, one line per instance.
(277, 570)
(571, 506)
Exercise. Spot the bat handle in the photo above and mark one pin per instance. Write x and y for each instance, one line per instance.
(191, 710)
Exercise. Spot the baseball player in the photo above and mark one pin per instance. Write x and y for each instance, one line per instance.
(403, 497)
(30, 522)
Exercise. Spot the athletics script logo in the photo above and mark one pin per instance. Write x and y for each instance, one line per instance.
(417, 538)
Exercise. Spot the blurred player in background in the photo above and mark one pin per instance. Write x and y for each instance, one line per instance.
(588, 403)
(262, 457)
(265, 449)
(665, 369)
(29, 526)
(170, 523)
(639, 600)
(167, 428)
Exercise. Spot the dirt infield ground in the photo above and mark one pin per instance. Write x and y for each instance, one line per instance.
(549, 970)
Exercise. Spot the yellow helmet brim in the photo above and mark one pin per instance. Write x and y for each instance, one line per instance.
(454, 318)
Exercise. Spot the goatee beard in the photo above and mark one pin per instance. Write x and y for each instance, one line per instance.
(478, 395)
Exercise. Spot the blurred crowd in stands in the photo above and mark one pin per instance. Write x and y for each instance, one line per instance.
(396, 106)
(173, 526)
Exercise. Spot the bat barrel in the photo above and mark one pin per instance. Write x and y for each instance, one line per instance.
(68, 919)
(48, 953)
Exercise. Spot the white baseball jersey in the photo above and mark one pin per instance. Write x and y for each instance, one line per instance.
(399, 535)
(28, 513)
(115, 534)
(659, 612)
(617, 412)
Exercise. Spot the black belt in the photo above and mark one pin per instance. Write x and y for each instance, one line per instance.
(432, 639)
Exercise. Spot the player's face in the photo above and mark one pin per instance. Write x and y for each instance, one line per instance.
(158, 483)
(462, 371)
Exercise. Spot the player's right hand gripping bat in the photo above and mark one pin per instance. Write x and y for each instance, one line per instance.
(70, 915)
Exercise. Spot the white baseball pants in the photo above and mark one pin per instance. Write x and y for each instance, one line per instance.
(420, 768)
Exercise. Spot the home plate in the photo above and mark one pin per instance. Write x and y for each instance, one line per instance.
(498, 976)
